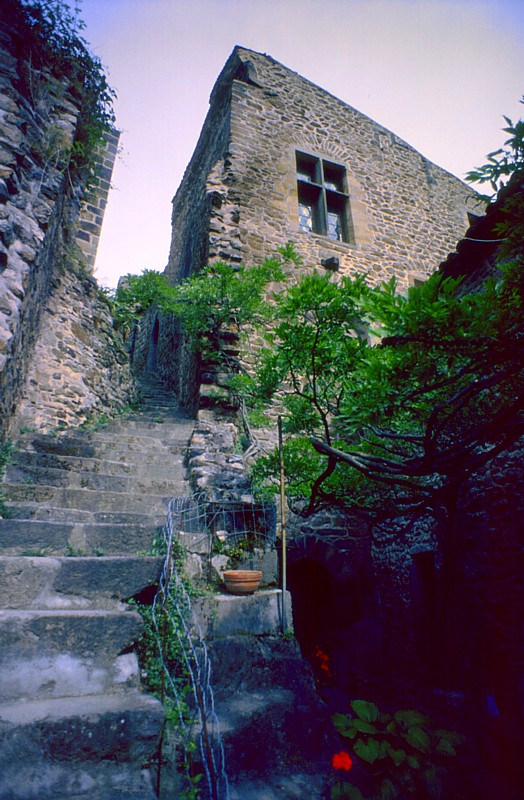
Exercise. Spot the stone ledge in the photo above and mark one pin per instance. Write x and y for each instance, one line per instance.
(252, 615)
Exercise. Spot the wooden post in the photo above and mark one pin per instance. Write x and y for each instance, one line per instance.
(282, 523)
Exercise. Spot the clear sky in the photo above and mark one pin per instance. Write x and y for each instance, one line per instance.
(438, 73)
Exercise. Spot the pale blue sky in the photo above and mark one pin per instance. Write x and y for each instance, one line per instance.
(439, 73)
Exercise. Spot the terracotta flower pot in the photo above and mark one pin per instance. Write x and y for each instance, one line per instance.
(242, 581)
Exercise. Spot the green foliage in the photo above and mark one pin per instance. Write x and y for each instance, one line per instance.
(414, 391)
(505, 161)
(162, 648)
(136, 293)
(217, 302)
(5, 455)
(434, 397)
(405, 754)
(220, 298)
(55, 40)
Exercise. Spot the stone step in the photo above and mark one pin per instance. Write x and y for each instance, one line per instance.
(48, 675)
(33, 510)
(154, 420)
(68, 583)
(26, 459)
(83, 748)
(21, 537)
(258, 614)
(98, 634)
(91, 445)
(45, 780)
(91, 500)
(167, 484)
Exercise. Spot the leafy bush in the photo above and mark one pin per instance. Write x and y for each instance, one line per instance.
(404, 754)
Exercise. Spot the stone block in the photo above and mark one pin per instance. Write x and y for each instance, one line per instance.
(258, 614)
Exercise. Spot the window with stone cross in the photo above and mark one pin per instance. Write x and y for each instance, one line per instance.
(323, 201)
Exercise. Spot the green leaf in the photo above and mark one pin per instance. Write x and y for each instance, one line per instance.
(344, 725)
(398, 756)
(451, 736)
(388, 790)
(364, 727)
(367, 751)
(413, 762)
(346, 791)
(410, 718)
(368, 712)
(418, 738)
(445, 748)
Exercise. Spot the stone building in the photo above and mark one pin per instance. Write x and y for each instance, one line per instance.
(281, 160)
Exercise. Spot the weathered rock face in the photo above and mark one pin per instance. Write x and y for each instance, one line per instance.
(79, 365)
(41, 220)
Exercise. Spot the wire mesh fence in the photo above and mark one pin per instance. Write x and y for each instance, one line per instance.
(185, 663)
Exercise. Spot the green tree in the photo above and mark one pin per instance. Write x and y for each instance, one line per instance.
(415, 392)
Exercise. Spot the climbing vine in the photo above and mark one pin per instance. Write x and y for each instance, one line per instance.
(54, 41)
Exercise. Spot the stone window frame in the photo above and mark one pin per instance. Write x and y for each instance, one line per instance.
(323, 198)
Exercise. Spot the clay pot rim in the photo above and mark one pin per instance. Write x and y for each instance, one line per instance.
(242, 574)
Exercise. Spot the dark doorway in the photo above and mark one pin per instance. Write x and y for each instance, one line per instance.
(336, 624)
(152, 353)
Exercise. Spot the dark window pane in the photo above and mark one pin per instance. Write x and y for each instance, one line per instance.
(334, 177)
(308, 168)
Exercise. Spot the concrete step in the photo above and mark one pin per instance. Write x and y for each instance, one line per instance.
(97, 634)
(19, 537)
(68, 583)
(87, 747)
(168, 483)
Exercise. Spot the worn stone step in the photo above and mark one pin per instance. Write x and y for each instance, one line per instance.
(93, 445)
(155, 420)
(168, 483)
(65, 582)
(89, 499)
(98, 634)
(172, 435)
(125, 459)
(45, 780)
(34, 510)
(46, 675)
(87, 747)
(258, 614)
(97, 465)
(20, 537)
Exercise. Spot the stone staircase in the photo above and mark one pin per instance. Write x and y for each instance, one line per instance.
(84, 506)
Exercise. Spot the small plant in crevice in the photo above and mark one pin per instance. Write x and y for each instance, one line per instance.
(403, 755)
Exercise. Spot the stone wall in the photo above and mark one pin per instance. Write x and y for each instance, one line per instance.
(79, 367)
(40, 208)
(91, 217)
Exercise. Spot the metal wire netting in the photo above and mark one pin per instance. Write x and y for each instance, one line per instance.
(199, 524)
